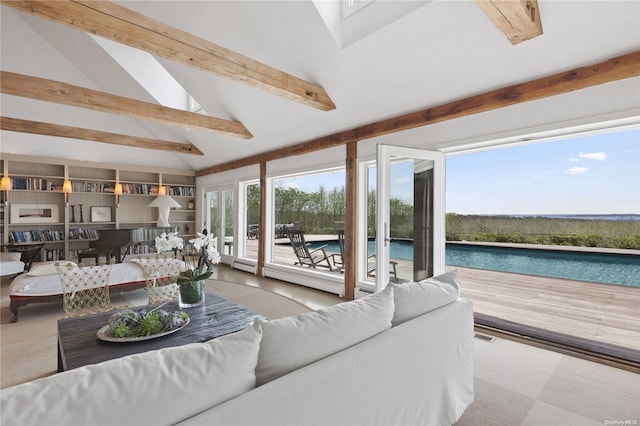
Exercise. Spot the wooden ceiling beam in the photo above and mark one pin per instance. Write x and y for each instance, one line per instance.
(619, 68)
(50, 129)
(43, 89)
(519, 20)
(125, 26)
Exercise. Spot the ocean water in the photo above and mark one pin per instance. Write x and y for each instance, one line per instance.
(592, 267)
(583, 216)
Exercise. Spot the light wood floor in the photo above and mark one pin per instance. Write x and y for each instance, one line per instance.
(601, 312)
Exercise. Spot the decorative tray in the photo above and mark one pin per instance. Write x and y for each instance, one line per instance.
(128, 326)
(102, 335)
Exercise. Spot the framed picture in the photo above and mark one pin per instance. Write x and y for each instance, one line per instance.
(101, 214)
(34, 213)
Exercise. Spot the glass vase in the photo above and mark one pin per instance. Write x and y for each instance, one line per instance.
(191, 294)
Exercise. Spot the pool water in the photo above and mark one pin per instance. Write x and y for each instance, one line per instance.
(592, 267)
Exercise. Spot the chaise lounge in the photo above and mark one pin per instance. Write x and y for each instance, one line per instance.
(42, 284)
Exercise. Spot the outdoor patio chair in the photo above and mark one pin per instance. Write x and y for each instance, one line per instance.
(371, 259)
(371, 267)
(338, 258)
(252, 232)
(314, 258)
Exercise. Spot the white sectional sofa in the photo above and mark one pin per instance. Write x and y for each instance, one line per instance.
(403, 356)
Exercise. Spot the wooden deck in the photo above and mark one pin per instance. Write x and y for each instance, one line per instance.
(603, 313)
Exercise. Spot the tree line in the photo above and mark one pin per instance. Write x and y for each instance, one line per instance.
(622, 234)
(317, 212)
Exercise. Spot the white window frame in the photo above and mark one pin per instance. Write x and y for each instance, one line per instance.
(318, 279)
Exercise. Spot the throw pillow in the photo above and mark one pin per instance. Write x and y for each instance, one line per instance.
(48, 268)
(417, 298)
(292, 342)
(157, 387)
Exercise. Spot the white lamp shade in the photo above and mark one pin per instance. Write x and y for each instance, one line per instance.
(164, 203)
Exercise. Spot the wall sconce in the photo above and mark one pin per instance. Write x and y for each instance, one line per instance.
(5, 186)
(67, 189)
(117, 192)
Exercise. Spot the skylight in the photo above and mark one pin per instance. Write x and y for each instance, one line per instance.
(350, 7)
(151, 75)
(352, 20)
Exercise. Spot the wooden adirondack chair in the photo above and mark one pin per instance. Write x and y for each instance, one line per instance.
(314, 258)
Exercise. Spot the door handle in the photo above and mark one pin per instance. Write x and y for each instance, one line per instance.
(386, 235)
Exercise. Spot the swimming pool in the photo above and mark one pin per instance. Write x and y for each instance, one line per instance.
(592, 267)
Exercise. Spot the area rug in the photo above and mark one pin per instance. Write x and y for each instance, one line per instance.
(28, 348)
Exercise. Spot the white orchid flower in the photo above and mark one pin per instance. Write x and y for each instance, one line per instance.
(214, 257)
(199, 241)
(175, 241)
(169, 242)
(212, 254)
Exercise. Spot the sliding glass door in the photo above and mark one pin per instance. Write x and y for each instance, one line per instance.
(409, 243)
(219, 219)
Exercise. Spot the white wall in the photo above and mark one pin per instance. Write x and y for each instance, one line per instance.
(327, 158)
(612, 101)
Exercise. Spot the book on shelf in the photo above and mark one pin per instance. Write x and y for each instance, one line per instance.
(47, 255)
(35, 236)
(32, 184)
(86, 186)
(84, 234)
(181, 191)
(139, 189)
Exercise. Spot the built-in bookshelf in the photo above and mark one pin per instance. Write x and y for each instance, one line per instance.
(36, 236)
(64, 228)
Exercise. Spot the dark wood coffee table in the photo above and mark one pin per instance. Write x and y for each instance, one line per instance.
(78, 344)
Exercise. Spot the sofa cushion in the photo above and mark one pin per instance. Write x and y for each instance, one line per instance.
(156, 387)
(292, 342)
(40, 269)
(417, 298)
(11, 267)
(10, 256)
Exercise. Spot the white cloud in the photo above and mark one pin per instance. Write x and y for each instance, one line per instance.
(574, 160)
(600, 156)
(577, 170)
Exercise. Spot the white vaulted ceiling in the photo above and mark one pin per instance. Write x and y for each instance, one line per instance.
(437, 53)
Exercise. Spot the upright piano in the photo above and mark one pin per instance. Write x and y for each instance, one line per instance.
(116, 243)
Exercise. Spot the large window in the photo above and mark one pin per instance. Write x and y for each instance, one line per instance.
(546, 237)
(249, 220)
(315, 204)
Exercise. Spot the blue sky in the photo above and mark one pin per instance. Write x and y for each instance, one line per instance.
(596, 174)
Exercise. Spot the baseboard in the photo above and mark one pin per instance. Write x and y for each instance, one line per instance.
(243, 266)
